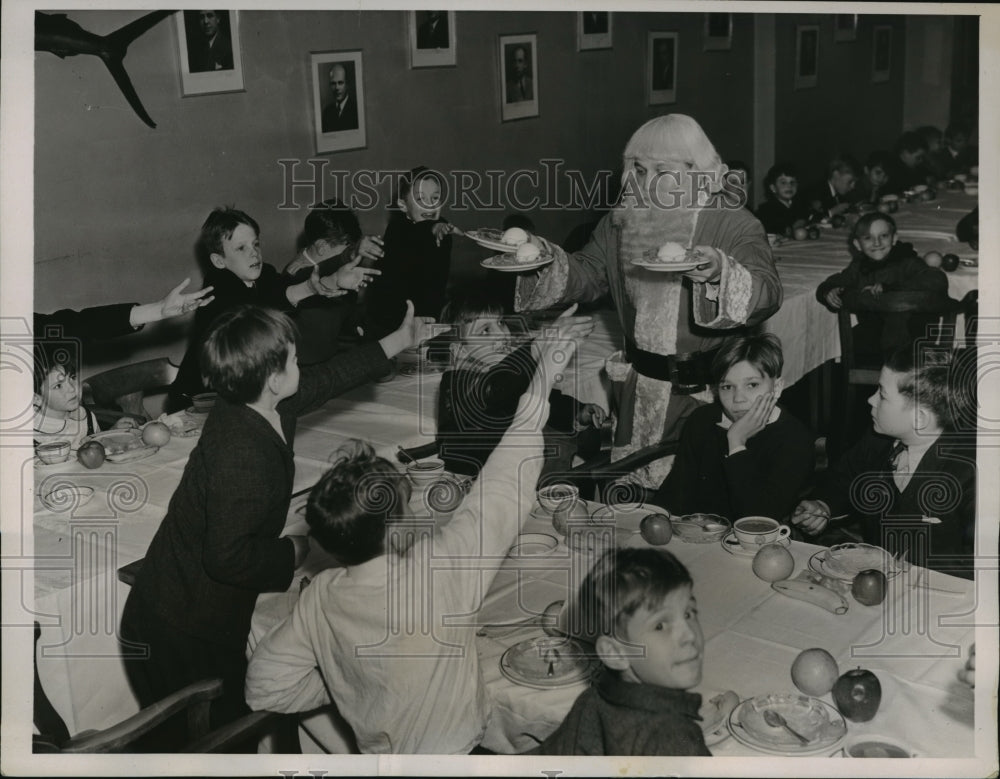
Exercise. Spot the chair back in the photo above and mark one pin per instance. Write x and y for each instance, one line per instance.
(118, 392)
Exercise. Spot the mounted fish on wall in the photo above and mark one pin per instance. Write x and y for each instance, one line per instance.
(65, 38)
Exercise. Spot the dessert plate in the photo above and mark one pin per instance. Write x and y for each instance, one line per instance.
(845, 561)
(732, 545)
(508, 263)
(545, 662)
(490, 238)
(815, 720)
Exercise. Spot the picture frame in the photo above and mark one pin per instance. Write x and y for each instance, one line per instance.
(518, 69)
(661, 67)
(593, 30)
(210, 56)
(338, 125)
(432, 39)
(881, 53)
(718, 32)
(845, 28)
(806, 56)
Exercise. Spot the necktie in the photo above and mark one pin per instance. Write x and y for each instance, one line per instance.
(900, 463)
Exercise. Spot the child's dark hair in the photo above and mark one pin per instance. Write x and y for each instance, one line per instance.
(955, 129)
(622, 581)
(879, 158)
(930, 134)
(466, 303)
(219, 226)
(50, 354)
(776, 171)
(842, 163)
(927, 379)
(353, 503)
(865, 222)
(910, 141)
(331, 221)
(762, 351)
(242, 348)
(413, 178)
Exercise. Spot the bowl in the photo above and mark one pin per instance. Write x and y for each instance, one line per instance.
(203, 402)
(876, 745)
(53, 452)
(425, 471)
(558, 497)
(65, 496)
(700, 528)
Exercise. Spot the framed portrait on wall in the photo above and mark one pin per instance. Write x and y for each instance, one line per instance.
(593, 30)
(718, 34)
(845, 27)
(338, 100)
(518, 76)
(661, 68)
(210, 57)
(881, 53)
(432, 38)
(806, 55)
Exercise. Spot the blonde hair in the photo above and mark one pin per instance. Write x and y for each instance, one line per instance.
(679, 136)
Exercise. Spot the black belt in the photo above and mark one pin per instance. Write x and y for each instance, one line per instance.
(688, 372)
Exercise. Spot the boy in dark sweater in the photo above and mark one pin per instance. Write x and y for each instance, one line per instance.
(749, 457)
(784, 209)
(881, 264)
(833, 196)
(638, 607)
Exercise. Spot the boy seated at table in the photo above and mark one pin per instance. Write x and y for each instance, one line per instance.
(909, 167)
(59, 411)
(218, 545)
(882, 263)
(911, 480)
(744, 456)
(331, 239)
(784, 209)
(230, 242)
(390, 637)
(876, 181)
(956, 154)
(833, 196)
(638, 608)
(486, 376)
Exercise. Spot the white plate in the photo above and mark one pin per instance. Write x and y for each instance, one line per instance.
(489, 238)
(668, 267)
(508, 263)
(526, 663)
(132, 455)
(816, 720)
(845, 561)
(65, 495)
(533, 545)
(732, 545)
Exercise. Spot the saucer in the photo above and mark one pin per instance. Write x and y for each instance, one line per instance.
(579, 511)
(731, 545)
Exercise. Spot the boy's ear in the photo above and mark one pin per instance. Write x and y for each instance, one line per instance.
(401, 203)
(217, 260)
(612, 653)
(924, 419)
(779, 385)
(857, 245)
(36, 400)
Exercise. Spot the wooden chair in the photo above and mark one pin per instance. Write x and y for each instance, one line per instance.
(195, 699)
(857, 372)
(119, 392)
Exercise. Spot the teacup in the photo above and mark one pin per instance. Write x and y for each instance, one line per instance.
(203, 402)
(425, 471)
(558, 497)
(872, 745)
(53, 452)
(754, 532)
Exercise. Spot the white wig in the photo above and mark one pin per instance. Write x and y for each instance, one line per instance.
(674, 136)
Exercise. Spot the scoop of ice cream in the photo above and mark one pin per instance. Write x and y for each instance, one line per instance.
(527, 252)
(514, 236)
(671, 252)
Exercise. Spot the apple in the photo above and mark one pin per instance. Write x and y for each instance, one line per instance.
(868, 587)
(772, 563)
(91, 454)
(949, 262)
(933, 259)
(858, 694)
(656, 529)
(800, 234)
(812, 232)
(814, 671)
(155, 434)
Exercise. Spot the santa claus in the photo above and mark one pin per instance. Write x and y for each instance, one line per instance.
(674, 189)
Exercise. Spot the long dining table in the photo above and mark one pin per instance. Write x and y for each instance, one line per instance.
(72, 549)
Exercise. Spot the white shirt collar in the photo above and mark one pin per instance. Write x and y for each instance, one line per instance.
(725, 423)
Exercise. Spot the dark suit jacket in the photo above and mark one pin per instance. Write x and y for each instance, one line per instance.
(215, 56)
(935, 514)
(218, 545)
(96, 323)
(515, 93)
(335, 120)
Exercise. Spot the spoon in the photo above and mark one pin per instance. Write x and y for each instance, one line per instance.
(405, 454)
(548, 620)
(775, 720)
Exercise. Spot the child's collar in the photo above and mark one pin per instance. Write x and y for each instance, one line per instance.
(725, 423)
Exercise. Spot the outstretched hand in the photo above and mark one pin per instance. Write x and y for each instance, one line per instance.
(412, 331)
(178, 302)
(556, 345)
(350, 277)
